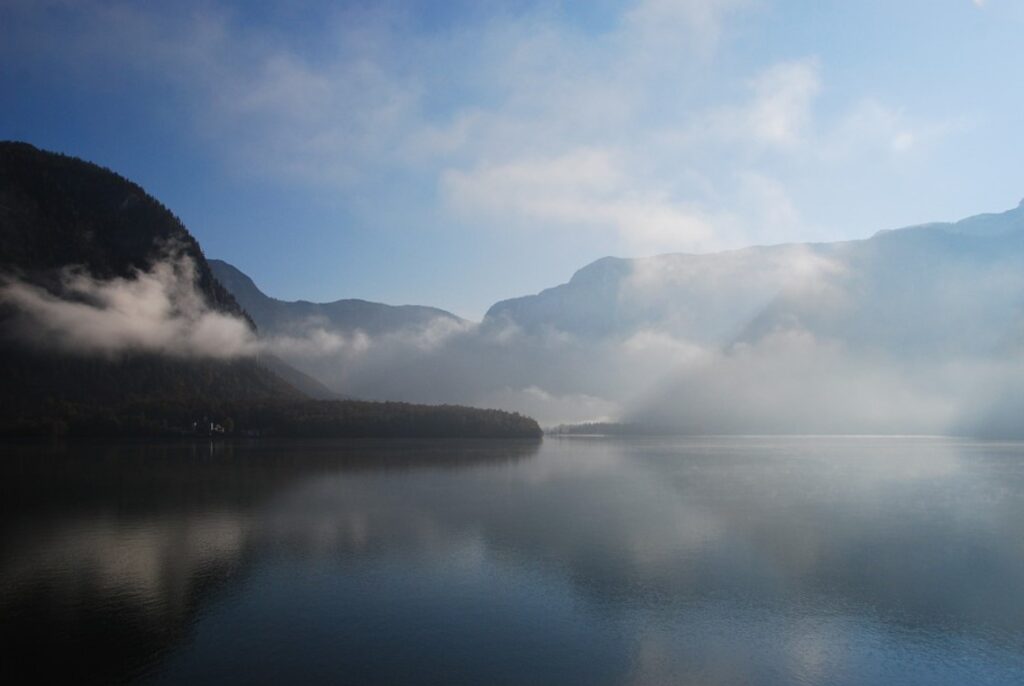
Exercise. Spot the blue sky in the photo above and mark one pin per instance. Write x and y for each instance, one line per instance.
(457, 153)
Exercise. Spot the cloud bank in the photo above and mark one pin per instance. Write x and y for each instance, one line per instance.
(158, 310)
(918, 331)
(639, 131)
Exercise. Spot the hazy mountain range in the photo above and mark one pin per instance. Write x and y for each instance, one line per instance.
(278, 317)
(913, 330)
(918, 330)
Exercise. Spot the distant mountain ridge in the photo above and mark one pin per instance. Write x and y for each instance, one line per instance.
(727, 296)
(917, 329)
(709, 296)
(274, 316)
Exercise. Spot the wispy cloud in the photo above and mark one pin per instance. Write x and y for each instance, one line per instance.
(158, 310)
(638, 130)
(162, 310)
(581, 190)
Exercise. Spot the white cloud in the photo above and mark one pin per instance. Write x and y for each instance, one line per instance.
(639, 130)
(159, 310)
(781, 111)
(318, 342)
(661, 25)
(553, 409)
(584, 188)
(871, 127)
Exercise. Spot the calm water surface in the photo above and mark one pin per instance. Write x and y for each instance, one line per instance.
(580, 560)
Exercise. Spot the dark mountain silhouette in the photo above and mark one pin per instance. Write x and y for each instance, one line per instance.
(59, 213)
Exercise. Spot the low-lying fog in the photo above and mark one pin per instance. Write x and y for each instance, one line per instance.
(912, 331)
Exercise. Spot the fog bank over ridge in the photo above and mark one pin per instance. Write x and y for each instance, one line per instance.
(917, 330)
(157, 310)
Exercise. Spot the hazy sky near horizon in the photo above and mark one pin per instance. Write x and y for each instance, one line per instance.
(457, 153)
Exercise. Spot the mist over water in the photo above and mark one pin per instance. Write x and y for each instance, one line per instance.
(772, 438)
(697, 560)
(916, 331)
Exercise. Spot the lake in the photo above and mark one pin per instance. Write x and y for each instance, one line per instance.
(569, 561)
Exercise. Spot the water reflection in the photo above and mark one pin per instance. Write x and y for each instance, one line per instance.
(109, 552)
(705, 561)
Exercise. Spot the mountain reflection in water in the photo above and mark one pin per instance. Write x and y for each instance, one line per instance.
(706, 561)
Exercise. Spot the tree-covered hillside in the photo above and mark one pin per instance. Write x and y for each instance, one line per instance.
(97, 340)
